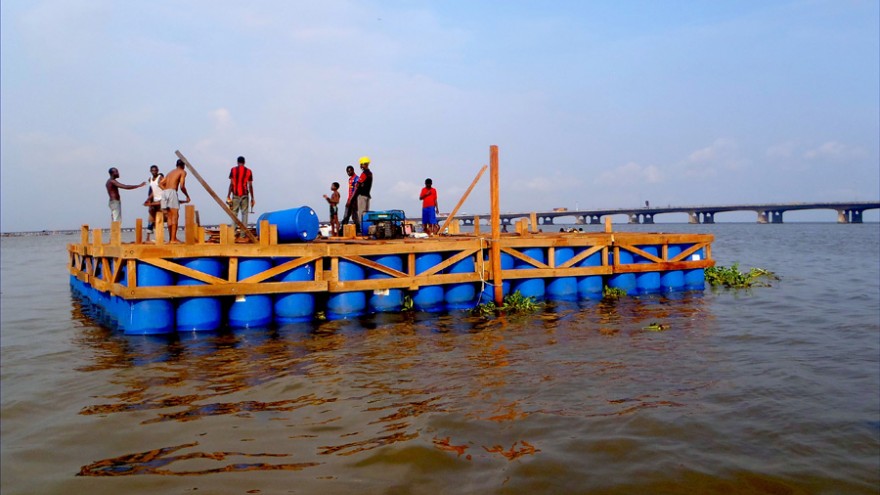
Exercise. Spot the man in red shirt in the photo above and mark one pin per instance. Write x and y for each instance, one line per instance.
(241, 186)
(429, 208)
(351, 207)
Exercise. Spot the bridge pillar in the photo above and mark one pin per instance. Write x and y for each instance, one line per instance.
(648, 218)
(546, 220)
(633, 218)
(776, 216)
(762, 217)
(580, 220)
(693, 217)
(849, 216)
(594, 219)
(856, 216)
(842, 216)
(708, 217)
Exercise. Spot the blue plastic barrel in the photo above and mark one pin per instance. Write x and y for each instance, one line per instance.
(488, 294)
(695, 279)
(148, 316)
(530, 287)
(461, 296)
(295, 307)
(563, 288)
(252, 310)
(347, 304)
(294, 225)
(428, 297)
(647, 282)
(199, 313)
(672, 280)
(591, 287)
(387, 300)
(625, 281)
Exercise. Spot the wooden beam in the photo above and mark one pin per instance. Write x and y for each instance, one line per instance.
(463, 198)
(235, 219)
(189, 229)
(496, 225)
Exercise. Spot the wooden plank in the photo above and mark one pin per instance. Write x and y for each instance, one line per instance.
(494, 200)
(533, 217)
(233, 270)
(360, 260)
(238, 289)
(640, 252)
(116, 233)
(223, 206)
(159, 228)
(96, 237)
(84, 235)
(185, 271)
(527, 259)
(139, 231)
(189, 228)
(463, 198)
(581, 256)
(278, 270)
(131, 273)
(265, 236)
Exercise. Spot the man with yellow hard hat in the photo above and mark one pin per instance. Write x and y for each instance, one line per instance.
(364, 186)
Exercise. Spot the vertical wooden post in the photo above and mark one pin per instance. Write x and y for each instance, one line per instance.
(201, 234)
(84, 235)
(534, 218)
(497, 277)
(96, 237)
(273, 234)
(608, 224)
(265, 234)
(160, 227)
(115, 233)
(476, 226)
(139, 231)
(189, 229)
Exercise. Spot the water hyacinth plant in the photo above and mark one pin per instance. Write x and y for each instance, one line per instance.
(733, 278)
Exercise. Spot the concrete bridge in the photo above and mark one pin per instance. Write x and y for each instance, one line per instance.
(847, 212)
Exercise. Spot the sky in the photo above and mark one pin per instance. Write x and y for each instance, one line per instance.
(593, 104)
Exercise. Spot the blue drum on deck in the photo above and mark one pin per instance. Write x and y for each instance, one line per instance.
(563, 288)
(530, 287)
(199, 313)
(625, 281)
(672, 280)
(149, 316)
(695, 279)
(347, 304)
(295, 307)
(428, 297)
(294, 225)
(386, 300)
(591, 286)
(488, 294)
(252, 310)
(647, 282)
(461, 296)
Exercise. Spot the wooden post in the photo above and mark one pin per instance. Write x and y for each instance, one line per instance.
(265, 235)
(349, 231)
(115, 233)
(96, 237)
(534, 219)
(242, 226)
(189, 229)
(496, 224)
(159, 227)
(476, 226)
(139, 231)
(463, 197)
(608, 224)
(84, 235)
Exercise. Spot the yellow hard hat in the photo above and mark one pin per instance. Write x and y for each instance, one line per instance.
(365, 159)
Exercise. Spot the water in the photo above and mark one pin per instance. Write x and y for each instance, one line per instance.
(770, 390)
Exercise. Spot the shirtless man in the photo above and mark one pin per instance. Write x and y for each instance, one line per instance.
(113, 185)
(154, 197)
(170, 201)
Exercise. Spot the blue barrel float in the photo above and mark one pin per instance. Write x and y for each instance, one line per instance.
(387, 300)
(295, 307)
(428, 297)
(488, 294)
(461, 296)
(347, 304)
(199, 313)
(148, 316)
(530, 287)
(563, 288)
(672, 280)
(252, 310)
(294, 225)
(625, 281)
(647, 282)
(695, 279)
(591, 286)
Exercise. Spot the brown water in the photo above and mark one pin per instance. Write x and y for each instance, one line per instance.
(772, 390)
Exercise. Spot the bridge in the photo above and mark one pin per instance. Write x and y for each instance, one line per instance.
(847, 212)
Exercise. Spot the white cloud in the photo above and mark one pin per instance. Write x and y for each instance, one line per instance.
(632, 172)
(833, 150)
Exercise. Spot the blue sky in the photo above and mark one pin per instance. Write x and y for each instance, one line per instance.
(600, 104)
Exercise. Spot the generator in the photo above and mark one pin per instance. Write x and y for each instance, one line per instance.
(385, 224)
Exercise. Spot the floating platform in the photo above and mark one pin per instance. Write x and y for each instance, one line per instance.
(210, 281)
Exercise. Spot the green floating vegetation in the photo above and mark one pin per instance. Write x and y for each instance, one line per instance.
(613, 292)
(515, 303)
(658, 327)
(733, 278)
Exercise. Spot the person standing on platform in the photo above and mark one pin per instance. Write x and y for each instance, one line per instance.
(241, 187)
(364, 186)
(333, 200)
(113, 185)
(351, 202)
(170, 200)
(154, 198)
(430, 209)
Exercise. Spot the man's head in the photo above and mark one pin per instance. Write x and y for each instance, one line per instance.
(428, 182)
(154, 169)
(180, 163)
(349, 170)
(365, 162)
(113, 172)
(334, 186)
(241, 160)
